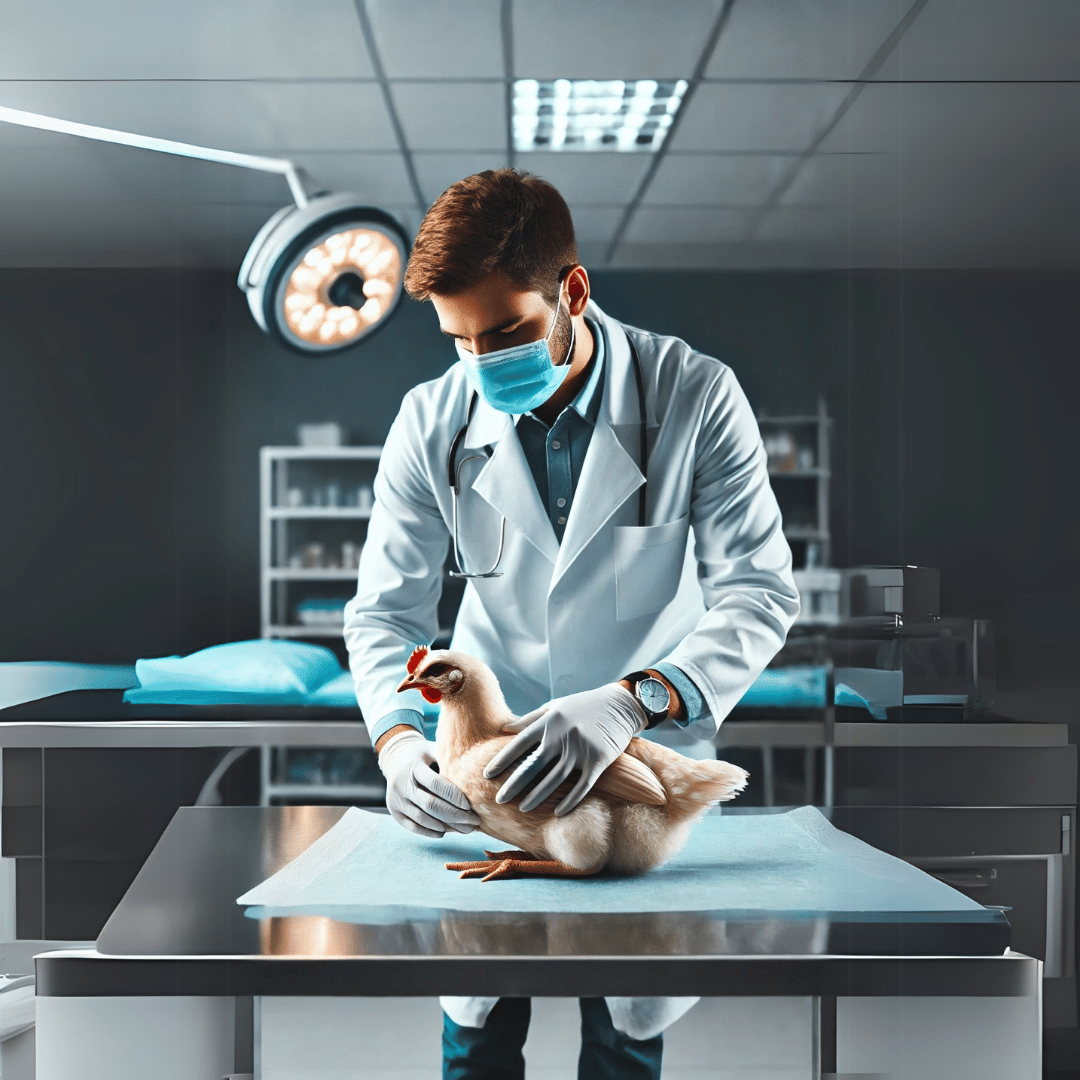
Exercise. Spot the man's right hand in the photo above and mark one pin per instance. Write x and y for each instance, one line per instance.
(417, 797)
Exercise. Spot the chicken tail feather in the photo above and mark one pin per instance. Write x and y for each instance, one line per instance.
(690, 785)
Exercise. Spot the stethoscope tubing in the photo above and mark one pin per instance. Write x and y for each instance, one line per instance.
(453, 472)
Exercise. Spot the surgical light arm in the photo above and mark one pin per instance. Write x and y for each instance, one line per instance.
(293, 174)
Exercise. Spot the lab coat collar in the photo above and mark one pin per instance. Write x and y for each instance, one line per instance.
(620, 401)
(507, 485)
(609, 476)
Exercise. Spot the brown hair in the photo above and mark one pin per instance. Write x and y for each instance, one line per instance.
(499, 220)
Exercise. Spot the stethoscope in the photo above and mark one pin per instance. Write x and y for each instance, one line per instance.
(453, 474)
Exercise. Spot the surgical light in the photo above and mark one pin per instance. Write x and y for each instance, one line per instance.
(591, 114)
(319, 275)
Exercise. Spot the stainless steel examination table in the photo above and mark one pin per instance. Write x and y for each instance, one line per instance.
(176, 986)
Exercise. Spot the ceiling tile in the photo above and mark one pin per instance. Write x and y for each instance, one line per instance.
(257, 117)
(943, 124)
(437, 171)
(241, 39)
(756, 116)
(452, 116)
(379, 178)
(595, 224)
(850, 182)
(426, 39)
(803, 223)
(678, 256)
(668, 224)
(87, 170)
(610, 39)
(138, 234)
(719, 179)
(802, 39)
(589, 178)
(990, 39)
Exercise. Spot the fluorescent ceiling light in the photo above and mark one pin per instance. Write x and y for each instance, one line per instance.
(591, 114)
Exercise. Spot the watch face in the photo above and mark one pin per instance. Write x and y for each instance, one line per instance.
(654, 695)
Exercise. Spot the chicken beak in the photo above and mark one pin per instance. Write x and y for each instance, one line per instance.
(408, 683)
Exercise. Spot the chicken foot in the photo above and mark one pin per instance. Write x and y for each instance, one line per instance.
(507, 864)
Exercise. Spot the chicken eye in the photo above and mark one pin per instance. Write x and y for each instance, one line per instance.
(435, 670)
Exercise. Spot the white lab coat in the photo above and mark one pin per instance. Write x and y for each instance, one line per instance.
(705, 584)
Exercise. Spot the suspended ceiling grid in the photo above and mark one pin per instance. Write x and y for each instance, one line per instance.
(814, 134)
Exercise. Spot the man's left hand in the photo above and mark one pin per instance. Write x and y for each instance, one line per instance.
(585, 731)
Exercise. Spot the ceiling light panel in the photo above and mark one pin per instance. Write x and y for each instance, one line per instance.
(631, 116)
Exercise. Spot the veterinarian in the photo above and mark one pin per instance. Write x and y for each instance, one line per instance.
(604, 492)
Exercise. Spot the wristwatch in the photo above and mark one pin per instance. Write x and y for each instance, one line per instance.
(653, 695)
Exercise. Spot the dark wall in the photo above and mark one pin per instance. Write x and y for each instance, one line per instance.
(135, 402)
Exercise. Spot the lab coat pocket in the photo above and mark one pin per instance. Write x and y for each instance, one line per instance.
(648, 565)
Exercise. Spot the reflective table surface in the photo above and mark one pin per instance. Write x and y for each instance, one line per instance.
(179, 930)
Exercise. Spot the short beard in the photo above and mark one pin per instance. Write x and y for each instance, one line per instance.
(559, 342)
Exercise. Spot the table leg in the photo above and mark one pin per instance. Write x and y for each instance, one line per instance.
(244, 1038)
(823, 1037)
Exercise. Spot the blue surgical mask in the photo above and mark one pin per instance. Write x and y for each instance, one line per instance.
(521, 378)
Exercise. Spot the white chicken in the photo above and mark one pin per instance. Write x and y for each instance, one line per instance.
(636, 817)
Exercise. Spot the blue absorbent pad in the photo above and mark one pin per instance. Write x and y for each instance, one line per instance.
(796, 687)
(338, 693)
(367, 868)
(260, 672)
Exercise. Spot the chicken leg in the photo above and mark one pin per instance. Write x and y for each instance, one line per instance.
(506, 864)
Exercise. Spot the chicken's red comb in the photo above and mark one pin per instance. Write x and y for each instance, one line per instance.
(417, 658)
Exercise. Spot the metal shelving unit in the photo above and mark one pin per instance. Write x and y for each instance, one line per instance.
(284, 527)
(277, 533)
(810, 433)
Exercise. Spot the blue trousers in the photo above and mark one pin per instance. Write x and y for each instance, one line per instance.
(493, 1052)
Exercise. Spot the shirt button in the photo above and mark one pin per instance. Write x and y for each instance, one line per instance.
(556, 445)
(560, 502)
(562, 521)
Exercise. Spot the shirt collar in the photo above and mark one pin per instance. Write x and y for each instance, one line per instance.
(587, 402)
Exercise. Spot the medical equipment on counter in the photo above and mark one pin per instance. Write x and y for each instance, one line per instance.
(320, 435)
(322, 611)
(911, 592)
(453, 473)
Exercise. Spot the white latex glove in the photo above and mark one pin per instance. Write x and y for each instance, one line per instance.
(416, 795)
(585, 731)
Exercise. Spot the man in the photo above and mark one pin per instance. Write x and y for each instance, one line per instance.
(627, 562)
